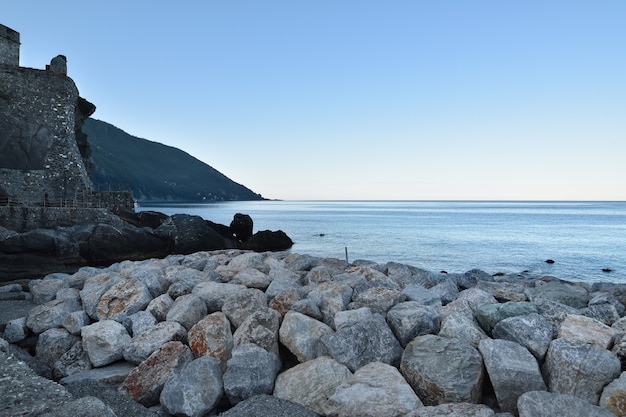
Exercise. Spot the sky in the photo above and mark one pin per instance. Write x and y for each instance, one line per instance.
(358, 100)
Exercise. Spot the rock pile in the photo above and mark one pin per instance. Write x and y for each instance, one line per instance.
(214, 332)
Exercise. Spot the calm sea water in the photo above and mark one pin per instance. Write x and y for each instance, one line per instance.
(583, 238)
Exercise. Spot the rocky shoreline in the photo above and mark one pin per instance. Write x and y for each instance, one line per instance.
(240, 333)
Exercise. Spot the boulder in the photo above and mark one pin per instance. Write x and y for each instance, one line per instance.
(349, 317)
(94, 289)
(74, 361)
(212, 336)
(52, 344)
(190, 234)
(267, 240)
(301, 335)
(455, 410)
(375, 390)
(51, 314)
(268, 405)
(512, 370)
(459, 326)
(588, 330)
(250, 371)
(504, 291)
(564, 293)
(409, 319)
(442, 370)
(194, 390)
(187, 310)
(240, 305)
(160, 306)
(123, 299)
(550, 404)
(84, 406)
(104, 341)
(46, 290)
(260, 328)
(139, 322)
(331, 298)
(16, 330)
(252, 278)
(422, 295)
(531, 331)
(140, 347)
(362, 342)
(489, 315)
(378, 299)
(145, 382)
(311, 383)
(214, 293)
(613, 396)
(75, 322)
(580, 368)
(241, 226)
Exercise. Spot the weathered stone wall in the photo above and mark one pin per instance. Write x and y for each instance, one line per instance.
(9, 46)
(22, 219)
(39, 155)
(114, 200)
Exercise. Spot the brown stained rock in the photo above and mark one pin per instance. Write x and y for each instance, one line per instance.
(212, 336)
(285, 300)
(145, 382)
(122, 300)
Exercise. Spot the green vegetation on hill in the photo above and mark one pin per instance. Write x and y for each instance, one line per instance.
(156, 172)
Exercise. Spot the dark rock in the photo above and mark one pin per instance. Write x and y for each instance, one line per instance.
(268, 241)
(190, 234)
(268, 405)
(241, 226)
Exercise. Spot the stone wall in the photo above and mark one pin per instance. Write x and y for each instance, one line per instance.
(9, 46)
(22, 219)
(39, 155)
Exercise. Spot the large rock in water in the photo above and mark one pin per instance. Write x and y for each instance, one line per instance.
(191, 234)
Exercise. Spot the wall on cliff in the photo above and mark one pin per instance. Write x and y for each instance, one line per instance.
(39, 154)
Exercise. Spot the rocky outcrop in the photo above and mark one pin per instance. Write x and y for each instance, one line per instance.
(323, 338)
(65, 249)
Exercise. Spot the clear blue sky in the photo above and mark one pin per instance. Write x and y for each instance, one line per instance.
(328, 99)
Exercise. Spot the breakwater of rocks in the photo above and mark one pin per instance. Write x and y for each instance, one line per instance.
(234, 333)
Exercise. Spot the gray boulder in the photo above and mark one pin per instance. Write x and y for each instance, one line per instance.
(46, 290)
(123, 299)
(504, 291)
(187, 310)
(587, 329)
(375, 390)
(531, 331)
(552, 404)
(459, 326)
(311, 383)
(250, 371)
(252, 278)
(260, 328)
(561, 292)
(82, 407)
(16, 330)
(214, 293)
(489, 315)
(143, 345)
(160, 306)
(580, 368)
(613, 396)
(195, 389)
(422, 295)
(362, 342)
(512, 370)
(139, 322)
(409, 319)
(442, 370)
(94, 288)
(51, 314)
(75, 322)
(456, 410)
(74, 361)
(104, 342)
(268, 405)
(240, 305)
(301, 335)
(378, 299)
(52, 344)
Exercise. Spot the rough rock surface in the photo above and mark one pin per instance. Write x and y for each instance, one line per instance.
(323, 338)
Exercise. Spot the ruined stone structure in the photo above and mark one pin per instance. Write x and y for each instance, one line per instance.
(44, 155)
(9, 46)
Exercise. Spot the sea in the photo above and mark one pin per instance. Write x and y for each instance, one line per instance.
(585, 239)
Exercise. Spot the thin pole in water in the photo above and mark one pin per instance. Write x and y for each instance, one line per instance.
(347, 262)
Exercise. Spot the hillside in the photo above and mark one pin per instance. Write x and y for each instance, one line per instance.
(156, 172)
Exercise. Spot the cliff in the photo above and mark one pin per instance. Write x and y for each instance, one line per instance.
(156, 172)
